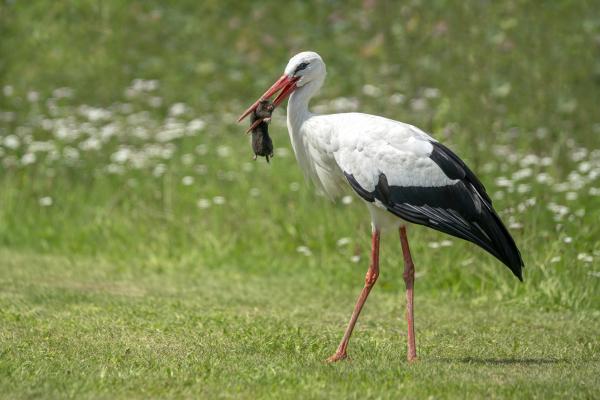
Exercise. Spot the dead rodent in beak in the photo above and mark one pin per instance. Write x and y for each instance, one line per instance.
(262, 145)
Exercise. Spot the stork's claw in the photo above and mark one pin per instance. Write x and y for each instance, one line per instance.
(337, 357)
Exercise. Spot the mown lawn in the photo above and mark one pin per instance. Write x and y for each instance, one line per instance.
(143, 254)
(105, 331)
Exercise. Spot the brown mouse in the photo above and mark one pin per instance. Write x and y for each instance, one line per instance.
(262, 145)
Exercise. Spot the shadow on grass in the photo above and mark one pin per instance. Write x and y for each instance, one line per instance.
(504, 361)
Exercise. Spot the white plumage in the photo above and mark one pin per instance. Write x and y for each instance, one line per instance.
(365, 145)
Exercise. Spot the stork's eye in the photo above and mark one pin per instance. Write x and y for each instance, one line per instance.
(301, 67)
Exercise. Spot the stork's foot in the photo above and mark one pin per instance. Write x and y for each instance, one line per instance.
(412, 360)
(337, 357)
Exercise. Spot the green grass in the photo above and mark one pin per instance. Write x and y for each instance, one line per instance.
(91, 328)
(120, 277)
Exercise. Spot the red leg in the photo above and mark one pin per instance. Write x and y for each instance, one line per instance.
(409, 280)
(370, 278)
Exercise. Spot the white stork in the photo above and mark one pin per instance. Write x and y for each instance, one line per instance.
(401, 173)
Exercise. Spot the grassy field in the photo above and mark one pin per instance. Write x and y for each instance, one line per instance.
(79, 328)
(144, 254)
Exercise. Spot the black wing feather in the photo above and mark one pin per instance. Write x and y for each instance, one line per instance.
(462, 209)
(455, 168)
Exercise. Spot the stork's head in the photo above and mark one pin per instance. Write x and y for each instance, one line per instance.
(303, 68)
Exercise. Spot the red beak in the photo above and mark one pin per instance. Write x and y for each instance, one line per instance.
(286, 84)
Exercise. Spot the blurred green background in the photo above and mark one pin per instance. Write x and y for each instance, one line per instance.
(143, 253)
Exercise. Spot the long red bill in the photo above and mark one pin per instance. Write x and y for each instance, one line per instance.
(285, 93)
(286, 84)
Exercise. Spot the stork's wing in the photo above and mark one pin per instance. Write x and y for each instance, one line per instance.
(424, 182)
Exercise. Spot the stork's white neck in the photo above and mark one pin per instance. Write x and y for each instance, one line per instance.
(303, 136)
(297, 109)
